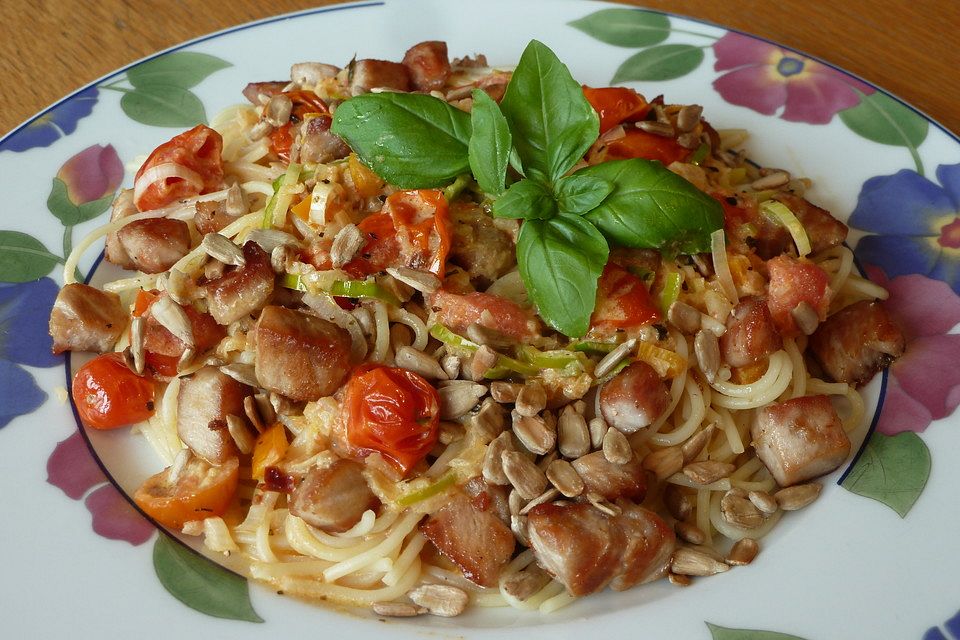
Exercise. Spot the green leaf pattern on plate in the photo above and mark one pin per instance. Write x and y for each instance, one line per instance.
(200, 583)
(892, 470)
(882, 119)
(24, 258)
(663, 62)
(69, 213)
(723, 633)
(625, 27)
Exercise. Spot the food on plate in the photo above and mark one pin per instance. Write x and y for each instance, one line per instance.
(425, 334)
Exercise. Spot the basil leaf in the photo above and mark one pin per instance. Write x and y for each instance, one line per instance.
(560, 261)
(653, 208)
(411, 140)
(553, 125)
(578, 194)
(489, 148)
(527, 199)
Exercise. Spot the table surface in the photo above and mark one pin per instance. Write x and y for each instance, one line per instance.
(50, 48)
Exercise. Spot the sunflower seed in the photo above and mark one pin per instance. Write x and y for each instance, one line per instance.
(743, 551)
(282, 258)
(422, 281)
(692, 562)
(572, 433)
(451, 432)
(689, 140)
(398, 609)
(240, 433)
(690, 533)
(695, 444)
(173, 318)
(186, 359)
(678, 502)
(451, 365)
(515, 502)
(490, 337)
(532, 399)
(138, 328)
(684, 317)
(678, 580)
(213, 270)
(505, 392)
(220, 247)
(770, 181)
(253, 414)
(265, 408)
(565, 478)
(308, 74)
(797, 497)
(234, 204)
(656, 128)
(492, 470)
(242, 373)
(612, 359)
(277, 111)
(178, 285)
(603, 505)
(482, 361)
(490, 420)
(259, 130)
(706, 347)
(664, 462)
(518, 524)
(440, 599)
(544, 497)
(689, 117)
(806, 317)
(598, 429)
(616, 447)
(534, 433)
(740, 512)
(707, 471)
(348, 241)
(270, 239)
(763, 501)
(420, 363)
(459, 397)
(523, 474)
(523, 584)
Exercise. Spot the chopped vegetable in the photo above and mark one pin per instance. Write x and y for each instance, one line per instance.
(193, 490)
(270, 448)
(782, 214)
(108, 395)
(446, 481)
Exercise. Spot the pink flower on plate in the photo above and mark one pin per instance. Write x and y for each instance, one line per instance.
(92, 174)
(763, 77)
(924, 384)
(73, 470)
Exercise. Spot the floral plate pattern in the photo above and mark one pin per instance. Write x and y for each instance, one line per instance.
(890, 171)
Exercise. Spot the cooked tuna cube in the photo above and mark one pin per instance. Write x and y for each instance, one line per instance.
(751, 335)
(86, 319)
(156, 244)
(428, 65)
(211, 216)
(254, 90)
(333, 497)
(206, 399)
(856, 342)
(158, 340)
(650, 545)
(300, 356)
(484, 251)
(633, 398)
(800, 439)
(822, 228)
(474, 539)
(610, 480)
(241, 290)
(378, 74)
(122, 207)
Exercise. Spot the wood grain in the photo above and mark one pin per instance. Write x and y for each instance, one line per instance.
(51, 47)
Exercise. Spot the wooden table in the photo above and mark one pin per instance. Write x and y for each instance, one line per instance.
(51, 47)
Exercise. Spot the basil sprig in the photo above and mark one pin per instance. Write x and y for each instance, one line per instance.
(542, 128)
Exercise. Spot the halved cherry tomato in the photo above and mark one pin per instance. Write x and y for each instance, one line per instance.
(412, 230)
(270, 448)
(640, 144)
(615, 105)
(393, 411)
(199, 151)
(199, 491)
(109, 395)
(162, 349)
(458, 311)
(304, 103)
(623, 302)
(793, 281)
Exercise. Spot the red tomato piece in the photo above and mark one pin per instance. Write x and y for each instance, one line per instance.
(162, 349)
(393, 411)
(793, 281)
(615, 105)
(197, 150)
(199, 491)
(459, 311)
(640, 144)
(109, 395)
(304, 103)
(623, 302)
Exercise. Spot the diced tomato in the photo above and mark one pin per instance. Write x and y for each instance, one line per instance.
(623, 302)
(649, 146)
(615, 105)
(197, 150)
(459, 311)
(392, 411)
(270, 448)
(793, 281)
(108, 394)
(162, 348)
(412, 230)
(198, 491)
(305, 103)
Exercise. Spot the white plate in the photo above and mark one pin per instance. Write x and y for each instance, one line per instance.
(78, 561)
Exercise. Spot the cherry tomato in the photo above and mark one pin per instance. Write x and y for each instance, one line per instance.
(199, 151)
(623, 302)
(109, 395)
(270, 448)
(162, 349)
(412, 230)
(458, 311)
(304, 103)
(615, 105)
(199, 491)
(393, 411)
(793, 281)
(640, 144)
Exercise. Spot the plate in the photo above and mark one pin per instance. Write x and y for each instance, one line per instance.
(873, 557)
